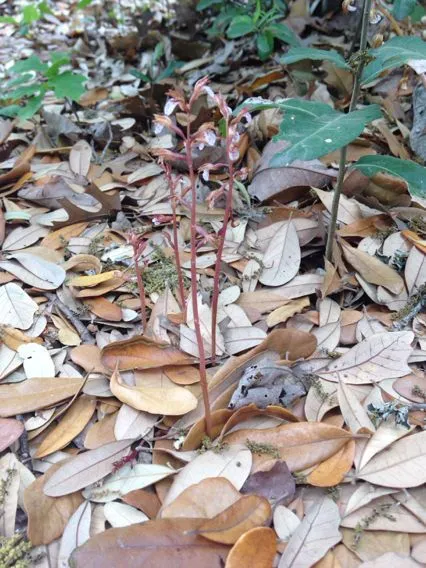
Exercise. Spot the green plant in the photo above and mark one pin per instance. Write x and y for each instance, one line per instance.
(30, 14)
(314, 129)
(31, 79)
(257, 19)
(154, 74)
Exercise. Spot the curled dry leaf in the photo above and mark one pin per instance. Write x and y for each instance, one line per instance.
(300, 444)
(156, 400)
(36, 393)
(205, 499)
(142, 353)
(71, 424)
(315, 535)
(372, 269)
(10, 430)
(161, 543)
(248, 512)
(381, 356)
(256, 548)
(84, 469)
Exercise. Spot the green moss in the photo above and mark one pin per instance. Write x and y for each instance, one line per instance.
(161, 273)
(263, 449)
(15, 552)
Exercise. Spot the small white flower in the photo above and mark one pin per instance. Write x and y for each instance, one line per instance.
(157, 128)
(209, 91)
(248, 118)
(236, 137)
(205, 174)
(210, 137)
(201, 146)
(234, 154)
(170, 106)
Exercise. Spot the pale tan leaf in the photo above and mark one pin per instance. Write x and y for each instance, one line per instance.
(132, 423)
(76, 533)
(391, 559)
(285, 522)
(372, 269)
(283, 313)
(282, 257)
(86, 468)
(387, 433)
(9, 480)
(49, 273)
(123, 515)
(356, 417)
(316, 534)
(348, 211)
(172, 400)
(322, 397)
(373, 544)
(18, 308)
(80, 156)
(402, 465)
(37, 361)
(23, 237)
(381, 356)
(415, 270)
(239, 339)
(233, 463)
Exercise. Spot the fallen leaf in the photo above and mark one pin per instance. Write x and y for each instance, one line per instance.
(275, 484)
(281, 260)
(372, 269)
(256, 548)
(232, 463)
(47, 517)
(248, 512)
(76, 533)
(84, 469)
(300, 445)
(402, 465)
(18, 308)
(316, 534)
(161, 543)
(205, 499)
(381, 356)
(36, 393)
(283, 313)
(10, 481)
(332, 471)
(156, 400)
(10, 430)
(71, 424)
(80, 157)
(123, 515)
(285, 522)
(142, 353)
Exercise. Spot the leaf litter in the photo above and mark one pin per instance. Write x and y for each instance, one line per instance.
(111, 271)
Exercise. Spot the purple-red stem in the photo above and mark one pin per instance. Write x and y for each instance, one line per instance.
(200, 344)
(222, 235)
(176, 241)
(141, 288)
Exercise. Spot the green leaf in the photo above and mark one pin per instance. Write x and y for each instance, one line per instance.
(8, 20)
(32, 106)
(204, 4)
(140, 75)
(265, 44)
(169, 70)
(394, 53)
(55, 67)
(284, 34)
(240, 26)
(33, 63)
(24, 91)
(300, 53)
(30, 14)
(44, 8)
(315, 129)
(403, 8)
(412, 173)
(10, 111)
(68, 84)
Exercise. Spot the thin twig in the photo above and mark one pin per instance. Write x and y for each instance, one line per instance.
(354, 99)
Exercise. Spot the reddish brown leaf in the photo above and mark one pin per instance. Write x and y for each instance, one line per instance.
(10, 430)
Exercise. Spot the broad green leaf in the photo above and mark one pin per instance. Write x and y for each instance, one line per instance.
(83, 4)
(403, 8)
(204, 4)
(24, 91)
(8, 20)
(240, 26)
(394, 53)
(32, 106)
(284, 34)
(30, 14)
(140, 75)
(169, 70)
(315, 129)
(264, 44)
(10, 110)
(412, 173)
(55, 67)
(33, 63)
(44, 8)
(68, 84)
(300, 53)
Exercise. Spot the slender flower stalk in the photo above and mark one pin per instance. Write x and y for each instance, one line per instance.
(200, 343)
(138, 247)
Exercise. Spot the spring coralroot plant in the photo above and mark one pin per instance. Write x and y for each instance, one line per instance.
(178, 118)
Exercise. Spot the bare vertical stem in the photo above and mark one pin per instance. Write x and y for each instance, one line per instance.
(200, 343)
(354, 99)
(222, 236)
(141, 288)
